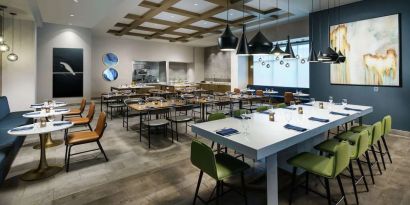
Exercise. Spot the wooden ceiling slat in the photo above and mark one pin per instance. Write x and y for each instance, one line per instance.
(148, 15)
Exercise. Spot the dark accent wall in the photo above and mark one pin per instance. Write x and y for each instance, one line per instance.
(388, 100)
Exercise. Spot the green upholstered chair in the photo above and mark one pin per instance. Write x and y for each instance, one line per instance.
(262, 108)
(216, 116)
(358, 143)
(326, 167)
(219, 167)
(386, 129)
(281, 105)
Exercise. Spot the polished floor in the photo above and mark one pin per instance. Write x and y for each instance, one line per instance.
(164, 175)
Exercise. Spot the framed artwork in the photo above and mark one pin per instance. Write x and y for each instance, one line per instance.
(110, 59)
(67, 72)
(372, 50)
(110, 74)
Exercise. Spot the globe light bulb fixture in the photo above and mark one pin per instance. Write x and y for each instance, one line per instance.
(12, 57)
(4, 47)
(227, 41)
(1, 39)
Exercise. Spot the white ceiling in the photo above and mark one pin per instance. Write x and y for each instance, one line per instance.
(102, 15)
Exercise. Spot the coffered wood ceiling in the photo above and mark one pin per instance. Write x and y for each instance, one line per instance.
(185, 20)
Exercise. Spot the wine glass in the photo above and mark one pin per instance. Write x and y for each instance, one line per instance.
(344, 102)
(312, 101)
(330, 99)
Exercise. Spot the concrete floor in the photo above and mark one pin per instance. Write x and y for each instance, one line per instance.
(164, 175)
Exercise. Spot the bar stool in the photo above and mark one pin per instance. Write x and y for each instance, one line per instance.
(220, 167)
(386, 129)
(326, 167)
(358, 146)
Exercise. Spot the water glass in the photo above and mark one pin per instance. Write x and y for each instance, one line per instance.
(51, 118)
(292, 103)
(344, 102)
(312, 100)
(330, 99)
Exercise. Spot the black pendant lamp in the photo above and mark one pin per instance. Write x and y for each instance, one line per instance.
(312, 54)
(227, 41)
(277, 51)
(260, 45)
(330, 52)
(243, 48)
(289, 54)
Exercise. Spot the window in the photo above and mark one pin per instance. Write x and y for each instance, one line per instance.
(270, 71)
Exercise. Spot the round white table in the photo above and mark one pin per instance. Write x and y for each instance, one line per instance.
(43, 114)
(43, 170)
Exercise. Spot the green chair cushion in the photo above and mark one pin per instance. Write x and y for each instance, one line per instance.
(330, 146)
(319, 165)
(238, 113)
(360, 128)
(216, 116)
(262, 108)
(349, 136)
(227, 165)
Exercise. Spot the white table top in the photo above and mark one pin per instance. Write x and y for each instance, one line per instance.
(266, 138)
(270, 92)
(40, 130)
(42, 113)
(58, 104)
(301, 94)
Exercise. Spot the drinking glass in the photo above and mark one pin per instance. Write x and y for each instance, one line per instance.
(344, 102)
(292, 104)
(51, 118)
(330, 99)
(312, 100)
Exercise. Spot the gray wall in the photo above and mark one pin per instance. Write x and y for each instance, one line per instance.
(178, 71)
(217, 65)
(388, 100)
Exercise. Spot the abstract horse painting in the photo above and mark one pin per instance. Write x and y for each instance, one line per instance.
(372, 50)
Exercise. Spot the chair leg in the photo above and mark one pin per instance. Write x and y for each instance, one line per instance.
(149, 137)
(379, 146)
(353, 182)
(362, 173)
(307, 182)
(377, 160)
(217, 192)
(244, 188)
(176, 130)
(370, 166)
(339, 181)
(197, 186)
(102, 150)
(65, 157)
(67, 165)
(292, 184)
(89, 126)
(387, 149)
(329, 200)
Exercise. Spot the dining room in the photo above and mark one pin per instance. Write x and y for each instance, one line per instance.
(204, 102)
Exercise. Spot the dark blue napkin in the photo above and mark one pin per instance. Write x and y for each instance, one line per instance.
(265, 112)
(290, 108)
(35, 105)
(21, 128)
(318, 119)
(339, 113)
(307, 104)
(228, 131)
(240, 117)
(60, 110)
(61, 123)
(353, 109)
(32, 113)
(296, 128)
(338, 103)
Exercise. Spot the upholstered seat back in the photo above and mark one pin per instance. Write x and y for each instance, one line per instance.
(4, 107)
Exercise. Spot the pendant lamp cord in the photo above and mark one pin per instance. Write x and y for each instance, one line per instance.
(227, 12)
(311, 26)
(12, 37)
(2, 24)
(243, 16)
(259, 15)
(328, 22)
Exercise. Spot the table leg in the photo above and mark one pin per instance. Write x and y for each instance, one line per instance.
(360, 121)
(43, 170)
(203, 112)
(240, 105)
(49, 142)
(272, 179)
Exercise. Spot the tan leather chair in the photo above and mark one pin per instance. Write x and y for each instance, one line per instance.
(84, 120)
(259, 93)
(75, 111)
(288, 97)
(78, 138)
(237, 90)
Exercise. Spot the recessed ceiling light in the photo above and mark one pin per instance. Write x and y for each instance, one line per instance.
(196, 4)
(71, 15)
(76, 1)
(172, 16)
(70, 24)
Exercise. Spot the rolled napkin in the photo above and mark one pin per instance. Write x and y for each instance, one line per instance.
(318, 119)
(307, 104)
(290, 108)
(353, 109)
(60, 110)
(227, 131)
(38, 104)
(293, 127)
(61, 123)
(21, 128)
(339, 113)
(32, 113)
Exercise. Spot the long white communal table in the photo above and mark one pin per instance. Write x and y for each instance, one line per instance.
(271, 141)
